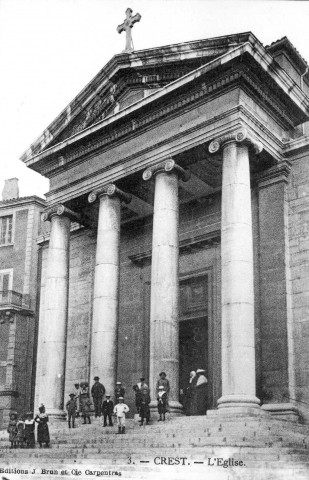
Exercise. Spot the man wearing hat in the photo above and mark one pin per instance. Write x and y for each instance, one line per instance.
(200, 392)
(119, 391)
(71, 409)
(97, 392)
(108, 409)
(138, 390)
(120, 411)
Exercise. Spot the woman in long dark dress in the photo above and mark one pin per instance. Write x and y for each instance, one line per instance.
(29, 430)
(189, 403)
(43, 431)
(200, 392)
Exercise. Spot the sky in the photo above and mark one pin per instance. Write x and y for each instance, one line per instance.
(50, 50)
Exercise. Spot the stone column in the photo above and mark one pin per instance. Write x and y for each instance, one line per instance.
(53, 326)
(164, 328)
(238, 342)
(106, 286)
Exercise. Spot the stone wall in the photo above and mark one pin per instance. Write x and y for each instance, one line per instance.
(298, 194)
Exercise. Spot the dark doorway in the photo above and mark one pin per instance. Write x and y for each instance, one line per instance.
(193, 329)
(193, 354)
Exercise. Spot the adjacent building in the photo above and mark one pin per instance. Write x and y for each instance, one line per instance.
(19, 229)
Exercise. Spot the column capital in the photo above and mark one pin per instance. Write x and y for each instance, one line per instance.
(239, 136)
(112, 191)
(60, 210)
(276, 174)
(167, 166)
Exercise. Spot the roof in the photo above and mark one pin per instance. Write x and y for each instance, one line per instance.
(285, 44)
(23, 200)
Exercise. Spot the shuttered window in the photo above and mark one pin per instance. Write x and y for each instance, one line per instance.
(6, 230)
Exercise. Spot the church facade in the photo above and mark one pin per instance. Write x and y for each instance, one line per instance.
(178, 225)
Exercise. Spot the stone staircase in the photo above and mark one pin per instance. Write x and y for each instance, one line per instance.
(180, 448)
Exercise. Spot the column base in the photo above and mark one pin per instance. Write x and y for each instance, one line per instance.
(237, 405)
(174, 408)
(56, 415)
(283, 411)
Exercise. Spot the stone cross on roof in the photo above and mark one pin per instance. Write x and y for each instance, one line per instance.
(126, 27)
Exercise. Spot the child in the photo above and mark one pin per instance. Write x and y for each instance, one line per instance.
(29, 430)
(12, 429)
(71, 409)
(20, 436)
(43, 431)
(162, 403)
(144, 410)
(107, 409)
(85, 401)
(120, 411)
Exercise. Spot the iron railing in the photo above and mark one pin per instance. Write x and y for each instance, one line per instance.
(11, 298)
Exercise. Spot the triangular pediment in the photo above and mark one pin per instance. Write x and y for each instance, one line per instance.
(128, 78)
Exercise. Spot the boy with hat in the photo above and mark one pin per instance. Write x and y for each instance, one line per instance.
(12, 429)
(71, 409)
(120, 411)
(162, 403)
(108, 409)
(119, 391)
(97, 392)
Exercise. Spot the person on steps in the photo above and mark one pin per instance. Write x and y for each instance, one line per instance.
(97, 393)
(43, 431)
(162, 403)
(85, 401)
(108, 409)
(120, 411)
(12, 429)
(71, 409)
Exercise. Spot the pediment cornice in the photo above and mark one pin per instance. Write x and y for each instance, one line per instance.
(286, 102)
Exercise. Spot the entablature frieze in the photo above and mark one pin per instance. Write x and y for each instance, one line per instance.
(207, 90)
(199, 241)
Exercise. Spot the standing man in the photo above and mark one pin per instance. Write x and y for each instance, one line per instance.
(108, 409)
(97, 392)
(138, 390)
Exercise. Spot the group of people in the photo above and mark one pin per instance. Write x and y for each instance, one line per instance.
(80, 404)
(22, 430)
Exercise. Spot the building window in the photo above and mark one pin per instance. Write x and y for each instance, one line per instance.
(6, 230)
(6, 280)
